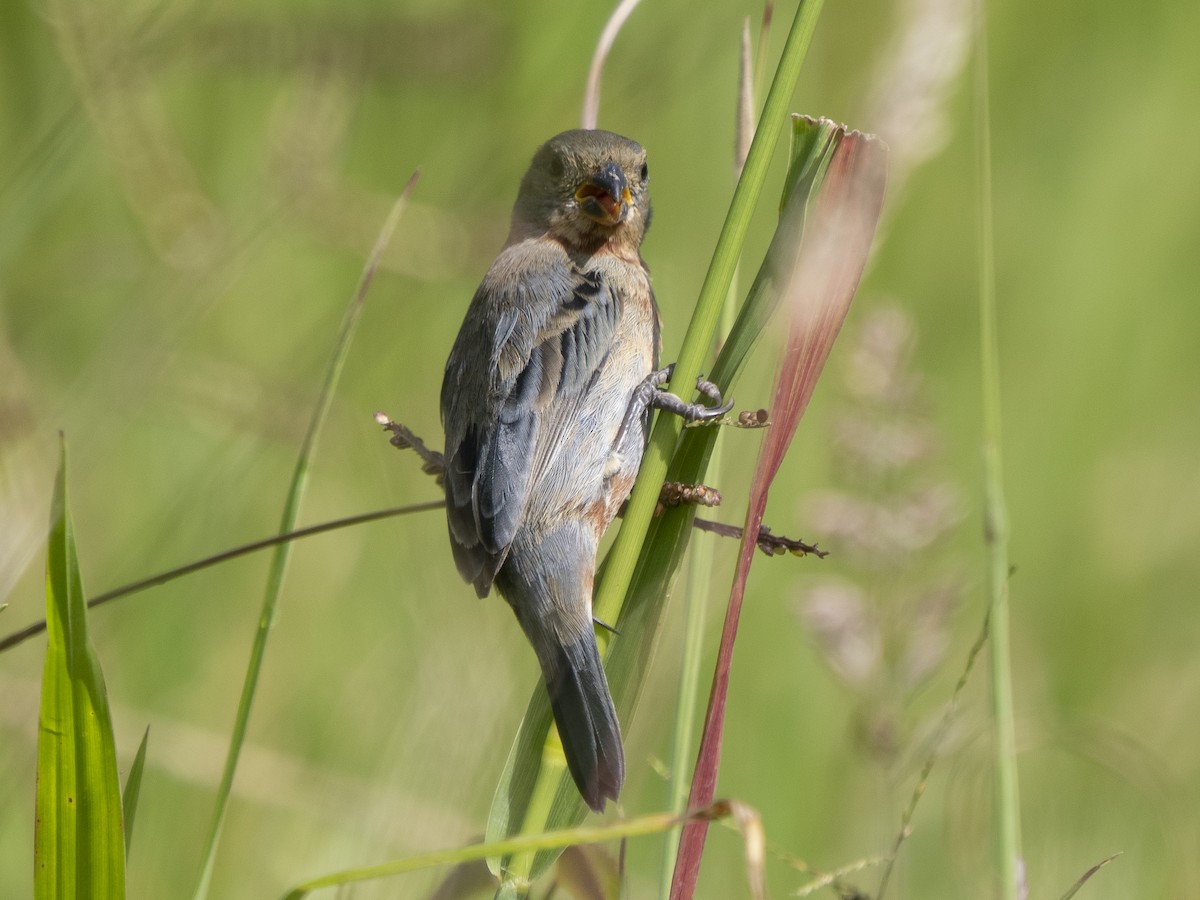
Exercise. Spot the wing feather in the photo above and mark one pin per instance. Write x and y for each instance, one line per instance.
(532, 342)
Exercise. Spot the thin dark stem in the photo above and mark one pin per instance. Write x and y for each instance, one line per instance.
(24, 634)
(768, 543)
(766, 540)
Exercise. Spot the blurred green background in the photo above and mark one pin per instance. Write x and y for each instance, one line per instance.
(187, 195)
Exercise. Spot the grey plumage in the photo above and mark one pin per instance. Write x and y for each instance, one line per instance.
(560, 333)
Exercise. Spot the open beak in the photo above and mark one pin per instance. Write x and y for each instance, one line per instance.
(604, 196)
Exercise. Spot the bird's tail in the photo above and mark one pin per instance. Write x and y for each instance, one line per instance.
(587, 722)
(548, 584)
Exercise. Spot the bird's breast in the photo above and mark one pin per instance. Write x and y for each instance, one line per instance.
(591, 475)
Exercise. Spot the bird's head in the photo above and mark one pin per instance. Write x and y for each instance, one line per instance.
(587, 189)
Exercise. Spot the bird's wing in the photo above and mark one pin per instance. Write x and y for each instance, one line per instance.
(531, 345)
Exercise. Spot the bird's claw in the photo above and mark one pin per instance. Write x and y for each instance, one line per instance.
(650, 395)
(689, 412)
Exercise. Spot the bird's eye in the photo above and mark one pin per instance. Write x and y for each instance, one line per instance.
(556, 167)
(645, 173)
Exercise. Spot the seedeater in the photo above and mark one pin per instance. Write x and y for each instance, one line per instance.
(546, 405)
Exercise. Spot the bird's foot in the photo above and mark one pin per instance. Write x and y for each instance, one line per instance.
(656, 398)
(650, 395)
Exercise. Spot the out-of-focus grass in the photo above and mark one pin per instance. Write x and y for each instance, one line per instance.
(182, 369)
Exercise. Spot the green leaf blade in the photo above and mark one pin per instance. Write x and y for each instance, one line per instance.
(133, 789)
(78, 836)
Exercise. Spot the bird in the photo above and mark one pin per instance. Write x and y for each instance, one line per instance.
(546, 404)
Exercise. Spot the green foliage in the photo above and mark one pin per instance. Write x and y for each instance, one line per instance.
(133, 790)
(79, 845)
(174, 315)
(291, 511)
(523, 845)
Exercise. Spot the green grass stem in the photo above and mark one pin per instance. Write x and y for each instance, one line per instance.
(279, 559)
(697, 342)
(683, 746)
(519, 847)
(700, 565)
(1009, 857)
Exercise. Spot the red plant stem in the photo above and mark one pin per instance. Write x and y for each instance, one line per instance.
(826, 273)
(691, 843)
